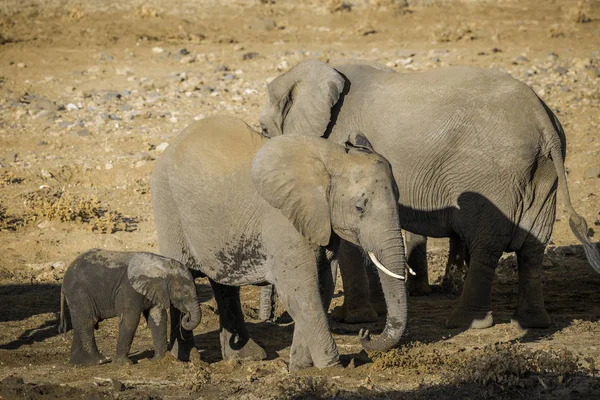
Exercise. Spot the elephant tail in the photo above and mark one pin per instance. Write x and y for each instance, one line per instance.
(554, 136)
(62, 325)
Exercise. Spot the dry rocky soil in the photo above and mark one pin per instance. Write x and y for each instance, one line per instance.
(91, 92)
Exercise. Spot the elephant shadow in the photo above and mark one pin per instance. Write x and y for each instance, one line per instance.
(23, 301)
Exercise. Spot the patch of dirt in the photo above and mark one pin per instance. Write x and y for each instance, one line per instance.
(92, 92)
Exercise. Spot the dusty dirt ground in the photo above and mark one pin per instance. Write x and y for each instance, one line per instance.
(91, 92)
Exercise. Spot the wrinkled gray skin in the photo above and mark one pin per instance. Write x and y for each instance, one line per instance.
(477, 157)
(223, 205)
(101, 284)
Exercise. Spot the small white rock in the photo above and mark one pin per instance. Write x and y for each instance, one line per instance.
(162, 147)
(71, 107)
(108, 166)
(157, 50)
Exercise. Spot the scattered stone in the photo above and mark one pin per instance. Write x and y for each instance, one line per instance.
(71, 107)
(46, 174)
(592, 173)
(124, 71)
(118, 386)
(108, 165)
(105, 57)
(187, 59)
(114, 117)
(143, 156)
(111, 96)
(157, 50)
(520, 60)
(184, 52)
(262, 24)
(250, 56)
(140, 163)
(21, 65)
(561, 70)
(162, 147)
(83, 132)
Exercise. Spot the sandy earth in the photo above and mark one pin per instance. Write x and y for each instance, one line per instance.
(91, 91)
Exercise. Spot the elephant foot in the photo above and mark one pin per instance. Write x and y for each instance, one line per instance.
(356, 315)
(181, 349)
(88, 359)
(469, 319)
(418, 287)
(538, 319)
(251, 351)
(122, 360)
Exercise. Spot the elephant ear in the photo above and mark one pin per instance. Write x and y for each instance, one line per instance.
(148, 276)
(300, 100)
(359, 141)
(289, 172)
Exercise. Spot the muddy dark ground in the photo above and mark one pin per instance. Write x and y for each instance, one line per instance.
(91, 92)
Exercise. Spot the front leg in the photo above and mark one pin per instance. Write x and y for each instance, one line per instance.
(157, 322)
(236, 343)
(130, 318)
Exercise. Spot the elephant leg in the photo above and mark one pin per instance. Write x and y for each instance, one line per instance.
(84, 349)
(456, 268)
(327, 276)
(130, 318)
(531, 312)
(157, 322)
(475, 303)
(268, 302)
(312, 343)
(357, 306)
(235, 340)
(416, 256)
(181, 341)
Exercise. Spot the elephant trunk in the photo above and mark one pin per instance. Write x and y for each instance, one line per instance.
(394, 289)
(192, 315)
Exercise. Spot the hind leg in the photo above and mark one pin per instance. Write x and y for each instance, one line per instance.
(235, 339)
(84, 349)
(474, 309)
(531, 312)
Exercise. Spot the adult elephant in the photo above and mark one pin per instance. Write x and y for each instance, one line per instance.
(477, 156)
(246, 210)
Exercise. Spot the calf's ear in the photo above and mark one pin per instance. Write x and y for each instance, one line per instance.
(148, 276)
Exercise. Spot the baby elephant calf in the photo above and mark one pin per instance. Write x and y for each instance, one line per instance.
(102, 284)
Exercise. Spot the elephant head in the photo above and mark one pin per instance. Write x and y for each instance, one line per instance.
(325, 188)
(163, 282)
(300, 100)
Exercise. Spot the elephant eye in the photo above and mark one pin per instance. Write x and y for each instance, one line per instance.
(361, 204)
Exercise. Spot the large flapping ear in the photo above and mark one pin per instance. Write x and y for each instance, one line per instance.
(359, 141)
(300, 100)
(148, 276)
(290, 173)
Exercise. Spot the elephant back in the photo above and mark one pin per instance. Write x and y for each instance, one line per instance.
(219, 140)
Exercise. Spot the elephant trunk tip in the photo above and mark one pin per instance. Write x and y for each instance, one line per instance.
(191, 319)
(385, 341)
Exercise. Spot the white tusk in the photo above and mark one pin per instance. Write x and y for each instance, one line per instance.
(381, 267)
(410, 270)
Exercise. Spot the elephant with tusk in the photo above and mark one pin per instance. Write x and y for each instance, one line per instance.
(245, 210)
